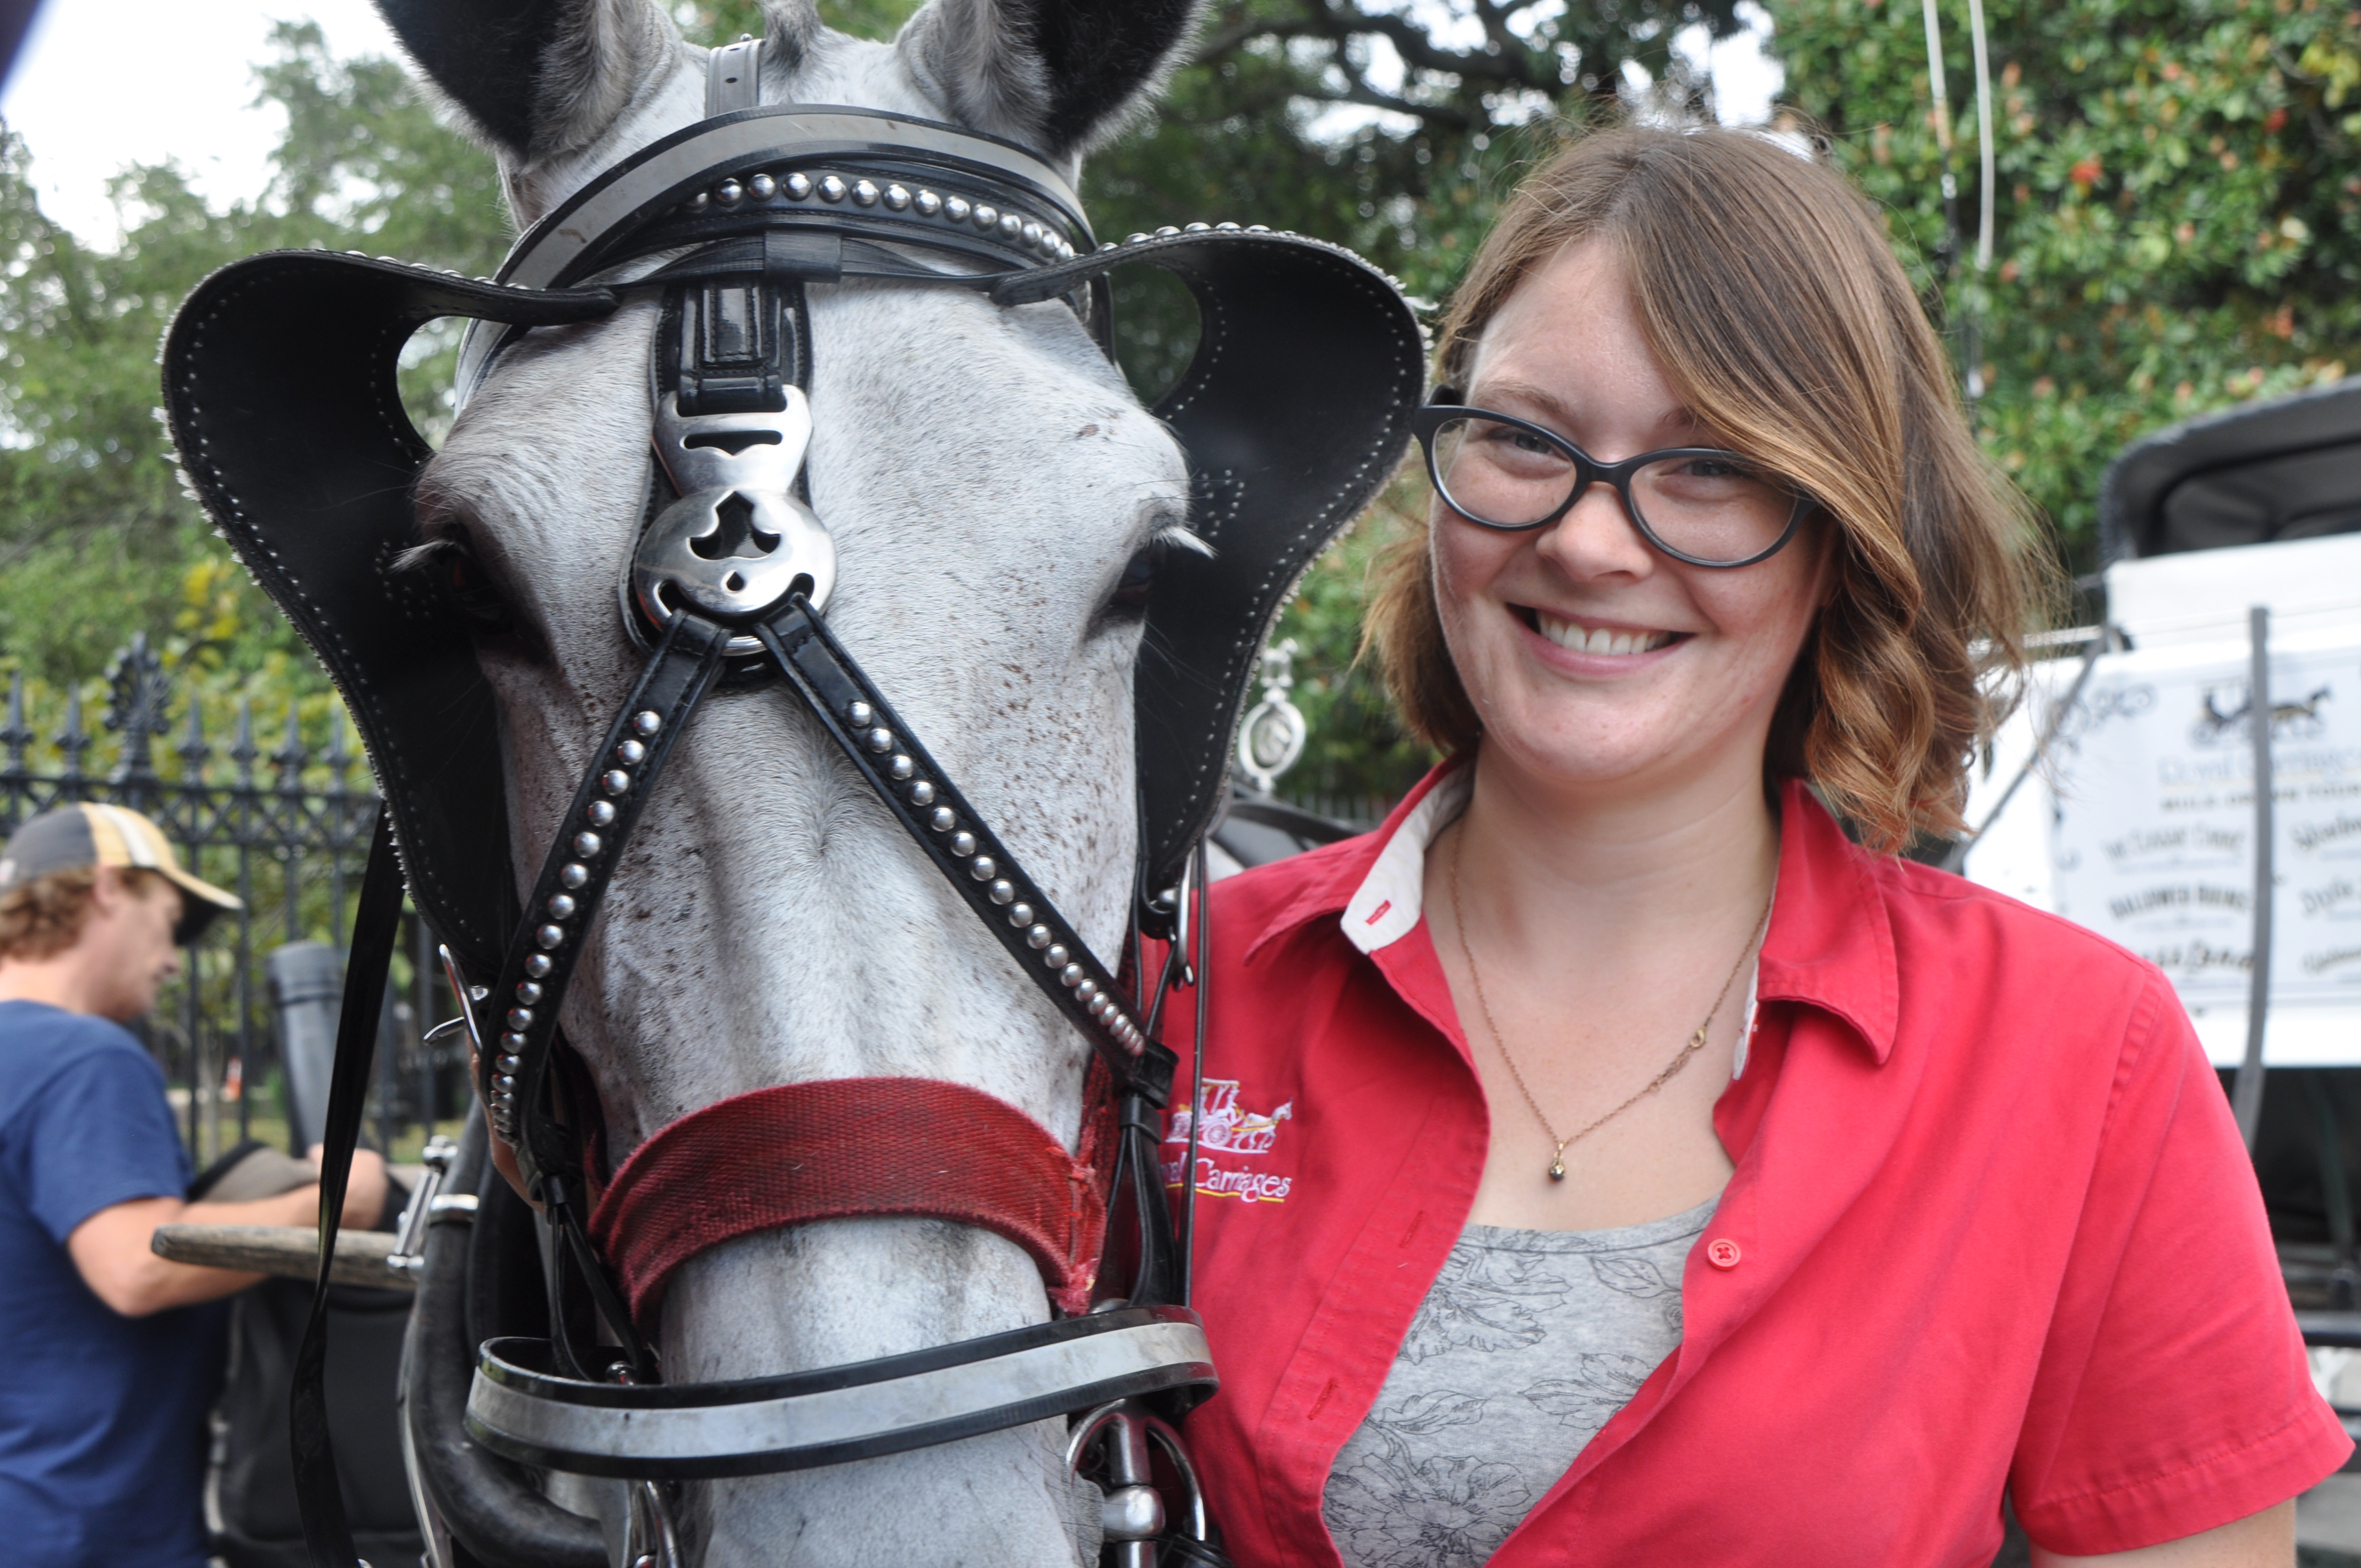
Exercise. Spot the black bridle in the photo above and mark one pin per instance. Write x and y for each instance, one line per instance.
(732, 369)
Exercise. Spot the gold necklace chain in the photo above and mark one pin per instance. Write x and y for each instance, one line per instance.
(1695, 1043)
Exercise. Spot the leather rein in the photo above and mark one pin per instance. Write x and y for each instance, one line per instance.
(733, 424)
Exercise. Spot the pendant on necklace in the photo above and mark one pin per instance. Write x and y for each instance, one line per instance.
(1557, 1164)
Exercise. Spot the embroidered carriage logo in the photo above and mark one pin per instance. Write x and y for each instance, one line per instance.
(1223, 1126)
(1226, 1126)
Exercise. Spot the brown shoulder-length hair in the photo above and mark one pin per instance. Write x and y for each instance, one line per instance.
(1765, 286)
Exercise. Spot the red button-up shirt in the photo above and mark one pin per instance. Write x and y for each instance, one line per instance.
(1991, 1225)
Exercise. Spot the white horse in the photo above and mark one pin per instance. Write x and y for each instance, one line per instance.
(987, 477)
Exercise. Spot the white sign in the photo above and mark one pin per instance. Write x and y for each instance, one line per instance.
(2152, 841)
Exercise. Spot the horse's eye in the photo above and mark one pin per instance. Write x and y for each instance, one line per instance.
(469, 589)
(1138, 579)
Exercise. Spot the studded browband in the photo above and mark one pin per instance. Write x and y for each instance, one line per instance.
(857, 183)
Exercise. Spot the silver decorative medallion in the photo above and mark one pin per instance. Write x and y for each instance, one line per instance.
(737, 542)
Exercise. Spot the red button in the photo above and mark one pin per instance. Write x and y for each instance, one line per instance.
(1721, 1252)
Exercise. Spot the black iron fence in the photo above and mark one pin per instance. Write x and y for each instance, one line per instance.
(287, 829)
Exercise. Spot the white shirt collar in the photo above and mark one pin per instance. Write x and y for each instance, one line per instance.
(1385, 907)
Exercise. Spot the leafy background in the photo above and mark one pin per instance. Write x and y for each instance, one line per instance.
(2178, 206)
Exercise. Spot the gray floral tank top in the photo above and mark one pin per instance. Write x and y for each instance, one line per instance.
(1527, 1345)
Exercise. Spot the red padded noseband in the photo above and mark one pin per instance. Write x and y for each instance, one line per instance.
(854, 1148)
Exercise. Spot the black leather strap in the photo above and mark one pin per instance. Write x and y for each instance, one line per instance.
(574, 1258)
(1138, 1210)
(734, 343)
(931, 809)
(520, 1020)
(377, 924)
(1200, 965)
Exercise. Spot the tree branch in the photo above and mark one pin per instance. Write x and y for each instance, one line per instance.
(1359, 91)
(1507, 62)
(1513, 67)
(1496, 26)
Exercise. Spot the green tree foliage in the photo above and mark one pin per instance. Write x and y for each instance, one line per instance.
(1387, 130)
(96, 537)
(2178, 206)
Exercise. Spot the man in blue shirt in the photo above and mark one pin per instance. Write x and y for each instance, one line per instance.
(113, 1354)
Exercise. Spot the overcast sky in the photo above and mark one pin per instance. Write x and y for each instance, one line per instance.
(102, 86)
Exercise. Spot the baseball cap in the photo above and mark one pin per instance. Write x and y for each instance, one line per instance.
(88, 834)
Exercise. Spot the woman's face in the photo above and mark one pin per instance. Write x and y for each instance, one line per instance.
(1593, 659)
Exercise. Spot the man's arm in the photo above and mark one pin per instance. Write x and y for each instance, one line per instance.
(112, 1248)
(2265, 1539)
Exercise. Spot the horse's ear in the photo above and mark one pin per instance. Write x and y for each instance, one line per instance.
(1057, 75)
(538, 80)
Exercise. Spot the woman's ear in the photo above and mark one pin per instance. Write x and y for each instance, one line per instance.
(1059, 76)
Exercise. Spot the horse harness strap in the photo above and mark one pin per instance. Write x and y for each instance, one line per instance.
(765, 1425)
(575, 874)
(931, 809)
(377, 928)
(607, 805)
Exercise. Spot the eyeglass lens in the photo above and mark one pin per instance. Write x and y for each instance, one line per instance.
(1713, 507)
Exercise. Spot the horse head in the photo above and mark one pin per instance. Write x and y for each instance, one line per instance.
(1062, 593)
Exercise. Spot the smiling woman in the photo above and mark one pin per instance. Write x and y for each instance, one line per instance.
(1663, 1177)
(1795, 338)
